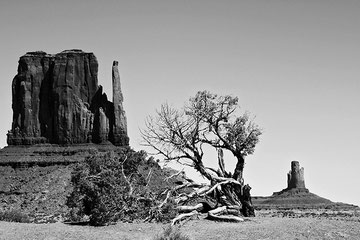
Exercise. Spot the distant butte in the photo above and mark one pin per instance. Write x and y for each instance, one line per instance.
(295, 180)
(296, 195)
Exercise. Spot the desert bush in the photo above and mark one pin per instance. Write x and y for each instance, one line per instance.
(171, 233)
(101, 187)
(164, 214)
(108, 187)
(14, 216)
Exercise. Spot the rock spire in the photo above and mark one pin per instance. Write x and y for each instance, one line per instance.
(120, 124)
(295, 178)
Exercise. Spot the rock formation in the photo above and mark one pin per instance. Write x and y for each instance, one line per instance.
(56, 99)
(295, 176)
(295, 195)
(295, 180)
(119, 130)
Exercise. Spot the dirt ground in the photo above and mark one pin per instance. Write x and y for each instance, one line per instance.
(263, 227)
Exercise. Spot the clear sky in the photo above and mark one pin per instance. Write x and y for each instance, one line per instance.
(293, 64)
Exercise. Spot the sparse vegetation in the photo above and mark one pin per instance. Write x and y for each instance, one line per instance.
(171, 233)
(14, 216)
(101, 188)
(109, 187)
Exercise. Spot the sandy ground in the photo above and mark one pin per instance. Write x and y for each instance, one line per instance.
(256, 228)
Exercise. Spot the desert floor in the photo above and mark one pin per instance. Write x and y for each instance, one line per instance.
(262, 227)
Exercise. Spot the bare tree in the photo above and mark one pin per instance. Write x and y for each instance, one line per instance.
(207, 119)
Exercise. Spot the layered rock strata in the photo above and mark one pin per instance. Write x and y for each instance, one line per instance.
(56, 99)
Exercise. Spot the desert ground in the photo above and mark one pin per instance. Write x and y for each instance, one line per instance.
(267, 225)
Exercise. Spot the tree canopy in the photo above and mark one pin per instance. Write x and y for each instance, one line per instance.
(206, 119)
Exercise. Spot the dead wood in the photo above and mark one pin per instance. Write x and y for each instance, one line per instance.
(186, 209)
(148, 177)
(224, 218)
(174, 175)
(131, 189)
(165, 200)
(224, 191)
(184, 216)
(197, 192)
(215, 214)
(222, 181)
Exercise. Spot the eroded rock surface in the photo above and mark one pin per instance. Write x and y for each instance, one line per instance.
(56, 99)
(120, 127)
(296, 176)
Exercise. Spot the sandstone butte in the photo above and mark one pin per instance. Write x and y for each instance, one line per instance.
(60, 113)
(296, 195)
(60, 116)
(56, 99)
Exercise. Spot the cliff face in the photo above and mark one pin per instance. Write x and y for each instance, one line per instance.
(56, 99)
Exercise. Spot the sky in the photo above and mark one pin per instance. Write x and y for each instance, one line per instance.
(295, 65)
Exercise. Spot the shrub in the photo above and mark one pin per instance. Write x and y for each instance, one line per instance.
(108, 187)
(171, 233)
(100, 188)
(165, 214)
(14, 216)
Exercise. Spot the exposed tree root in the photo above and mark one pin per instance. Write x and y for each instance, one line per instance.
(215, 214)
(186, 209)
(197, 192)
(184, 216)
(224, 218)
(223, 192)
